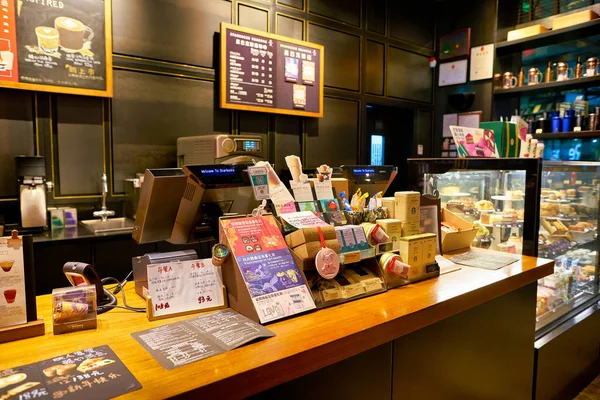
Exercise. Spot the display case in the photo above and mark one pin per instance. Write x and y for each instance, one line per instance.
(498, 196)
(568, 234)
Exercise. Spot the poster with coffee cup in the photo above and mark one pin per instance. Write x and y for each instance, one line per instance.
(13, 308)
(56, 43)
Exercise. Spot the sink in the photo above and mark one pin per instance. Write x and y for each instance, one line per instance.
(111, 225)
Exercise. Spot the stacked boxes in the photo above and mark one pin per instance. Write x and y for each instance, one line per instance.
(306, 242)
(408, 210)
(393, 228)
(418, 251)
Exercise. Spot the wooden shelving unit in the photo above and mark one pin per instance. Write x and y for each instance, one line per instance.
(568, 135)
(562, 85)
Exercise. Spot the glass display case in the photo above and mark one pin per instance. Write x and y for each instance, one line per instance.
(568, 234)
(499, 196)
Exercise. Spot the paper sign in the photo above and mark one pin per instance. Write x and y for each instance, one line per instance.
(302, 191)
(260, 184)
(482, 62)
(273, 280)
(323, 189)
(184, 286)
(303, 219)
(449, 120)
(13, 309)
(453, 73)
(473, 142)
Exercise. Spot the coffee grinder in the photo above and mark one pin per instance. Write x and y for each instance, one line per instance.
(31, 178)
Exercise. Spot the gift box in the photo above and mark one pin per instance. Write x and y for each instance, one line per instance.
(506, 135)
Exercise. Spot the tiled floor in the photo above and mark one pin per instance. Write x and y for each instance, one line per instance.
(592, 392)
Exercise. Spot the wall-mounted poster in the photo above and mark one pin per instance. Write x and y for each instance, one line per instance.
(456, 44)
(453, 73)
(270, 73)
(56, 46)
(482, 62)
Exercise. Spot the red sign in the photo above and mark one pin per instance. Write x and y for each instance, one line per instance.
(9, 69)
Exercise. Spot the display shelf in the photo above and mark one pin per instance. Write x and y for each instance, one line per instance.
(568, 135)
(549, 38)
(504, 198)
(357, 256)
(569, 84)
(455, 194)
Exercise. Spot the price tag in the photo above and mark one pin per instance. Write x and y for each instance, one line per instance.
(323, 189)
(184, 286)
(302, 191)
(259, 181)
(351, 257)
(539, 130)
(577, 129)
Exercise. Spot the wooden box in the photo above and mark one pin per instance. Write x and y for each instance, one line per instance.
(573, 19)
(526, 32)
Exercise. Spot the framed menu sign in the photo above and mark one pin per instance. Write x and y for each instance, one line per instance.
(61, 46)
(270, 73)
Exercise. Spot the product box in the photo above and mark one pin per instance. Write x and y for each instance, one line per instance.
(407, 206)
(573, 19)
(457, 240)
(390, 204)
(393, 228)
(351, 238)
(526, 32)
(506, 136)
(410, 228)
(74, 309)
(309, 250)
(70, 215)
(306, 235)
(416, 250)
(57, 218)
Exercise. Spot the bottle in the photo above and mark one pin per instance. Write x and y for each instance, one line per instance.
(521, 78)
(549, 72)
(578, 68)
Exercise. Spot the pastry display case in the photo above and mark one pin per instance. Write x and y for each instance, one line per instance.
(498, 196)
(568, 235)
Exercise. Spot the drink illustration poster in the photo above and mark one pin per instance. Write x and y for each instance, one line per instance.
(55, 45)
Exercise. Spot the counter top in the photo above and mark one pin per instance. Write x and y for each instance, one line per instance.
(75, 233)
(302, 344)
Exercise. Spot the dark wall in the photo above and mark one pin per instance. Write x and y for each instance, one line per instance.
(165, 74)
(453, 15)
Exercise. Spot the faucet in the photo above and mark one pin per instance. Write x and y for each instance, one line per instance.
(104, 213)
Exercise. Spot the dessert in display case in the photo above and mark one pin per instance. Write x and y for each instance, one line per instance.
(568, 235)
(498, 196)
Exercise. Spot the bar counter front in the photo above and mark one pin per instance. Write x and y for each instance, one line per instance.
(466, 334)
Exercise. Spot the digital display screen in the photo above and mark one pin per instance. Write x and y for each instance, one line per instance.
(363, 171)
(248, 145)
(217, 171)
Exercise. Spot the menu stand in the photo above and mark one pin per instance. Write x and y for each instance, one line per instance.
(18, 332)
(152, 317)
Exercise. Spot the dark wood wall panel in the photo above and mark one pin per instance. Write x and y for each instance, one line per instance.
(424, 131)
(253, 123)
(342, 56)
(408, 76)
(288, 139)
(150, 112)
(252, 17)
(16, 135)
(79, 145)
(375, 67)
(292, 3)
(376, 16)
(333, 139)
(347, 11)
(412, 21)
(171, 30)
(290, 27)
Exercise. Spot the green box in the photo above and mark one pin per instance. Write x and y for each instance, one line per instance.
(506, 135)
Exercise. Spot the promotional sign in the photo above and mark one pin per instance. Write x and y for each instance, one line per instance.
(13, 309)
(474, 142)
(259, 181)
(56, 46)
(274, 282)
(183, 286)
(95, 373)
(270, 73)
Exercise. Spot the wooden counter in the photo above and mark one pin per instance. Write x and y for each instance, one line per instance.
(303, 344)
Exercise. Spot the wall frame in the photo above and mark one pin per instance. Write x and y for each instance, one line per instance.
(455, 45)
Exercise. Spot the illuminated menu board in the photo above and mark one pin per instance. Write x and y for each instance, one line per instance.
(61, 46)
(270, 73)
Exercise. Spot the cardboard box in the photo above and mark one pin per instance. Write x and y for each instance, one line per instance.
(393, 228)
(573, 19)
(306, 235)
(457, 240)
(411, 249)
(531, 30)
(407, 206)
(410, 228)
(506, 135)
(351, 238)
(390, 204)
(309, 250)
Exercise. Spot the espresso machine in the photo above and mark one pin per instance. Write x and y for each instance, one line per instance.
(31, 178)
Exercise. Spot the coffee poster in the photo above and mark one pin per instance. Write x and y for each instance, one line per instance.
(13, 309)
(56, 45)
(270, 73)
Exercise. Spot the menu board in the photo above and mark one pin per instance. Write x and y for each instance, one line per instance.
(61, 46)
(13, 308)
(270, 73)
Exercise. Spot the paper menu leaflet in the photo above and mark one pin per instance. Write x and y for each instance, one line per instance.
(303, 219)
(474, 142)
(184, 286)
(13, 309)
(272, 278)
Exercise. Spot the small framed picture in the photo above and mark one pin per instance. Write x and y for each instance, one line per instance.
(455, 45)
(291, 69)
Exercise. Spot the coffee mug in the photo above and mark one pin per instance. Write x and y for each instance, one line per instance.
(534, 76)
(73, 34)
(591, 66)
(509, 80)
(47, 38)
(562, 72)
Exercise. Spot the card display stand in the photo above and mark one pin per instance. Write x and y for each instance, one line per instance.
(152, 317)
(18, 332)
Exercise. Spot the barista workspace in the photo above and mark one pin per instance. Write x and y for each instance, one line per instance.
(310, 199)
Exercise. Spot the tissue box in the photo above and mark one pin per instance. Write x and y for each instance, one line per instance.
(506, 135)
